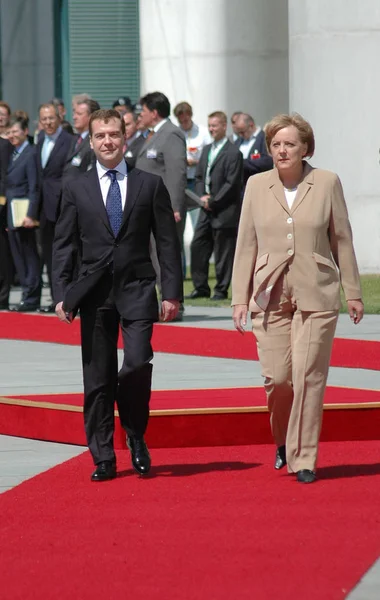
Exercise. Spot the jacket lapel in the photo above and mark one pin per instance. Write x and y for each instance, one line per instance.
(219, 155)
(96, 198)
(304, 186)
(134, 183)
(277, 190)
(58, 143)
(19, 160)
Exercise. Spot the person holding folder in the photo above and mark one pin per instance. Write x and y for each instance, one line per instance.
(22, 211)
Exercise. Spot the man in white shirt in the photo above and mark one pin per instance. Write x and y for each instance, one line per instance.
(107, 217)
(252, 145)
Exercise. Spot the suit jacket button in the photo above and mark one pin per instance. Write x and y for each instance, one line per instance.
(116, 245)
(290, 252)
(290, 220)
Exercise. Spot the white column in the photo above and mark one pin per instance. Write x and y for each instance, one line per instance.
(334, 49)
(217, 54)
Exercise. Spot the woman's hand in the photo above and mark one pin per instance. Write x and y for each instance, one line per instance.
(355, 310)
(240, 317)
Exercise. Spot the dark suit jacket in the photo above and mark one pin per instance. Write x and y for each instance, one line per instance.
(133, 150)
(256, 165)
(50, 177)
(78, 160)
(22, 182)
(164, 154)
(225, 185)
(6, 150)
(83, 229)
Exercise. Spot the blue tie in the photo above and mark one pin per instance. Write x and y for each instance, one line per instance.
(113, 203)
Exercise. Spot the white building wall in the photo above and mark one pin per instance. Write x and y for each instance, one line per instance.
(334, 50)
(217, 54)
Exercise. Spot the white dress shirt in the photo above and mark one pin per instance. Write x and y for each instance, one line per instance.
(48, 145)
(196, 138)
(105, 180)
(246, 145)
(290, 196)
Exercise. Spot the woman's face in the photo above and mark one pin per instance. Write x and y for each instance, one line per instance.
(287, 149)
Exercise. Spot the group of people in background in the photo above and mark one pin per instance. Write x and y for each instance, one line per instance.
(204, 170)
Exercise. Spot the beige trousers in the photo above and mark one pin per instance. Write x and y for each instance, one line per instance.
(294, 350)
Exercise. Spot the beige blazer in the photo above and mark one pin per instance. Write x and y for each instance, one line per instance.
(313, 238)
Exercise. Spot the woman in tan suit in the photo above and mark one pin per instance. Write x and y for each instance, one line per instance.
(294, 248)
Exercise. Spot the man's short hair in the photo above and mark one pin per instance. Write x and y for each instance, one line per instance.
(248, 120)
(80, 98)
(18, 120)
(57, 102)
(131, 111)
(236, 114)
(6, 106)
(21, 114)
(183, 108)
(157, 101)
(92, 105)
(49, 105)
(105, 114)
(218, 114)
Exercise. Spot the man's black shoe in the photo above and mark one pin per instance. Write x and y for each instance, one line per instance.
(140, 455)
(280, 459)
(24, 307)
(47, 309)
(104, 471)
(196, 294)
(218, 297)
(306, 476)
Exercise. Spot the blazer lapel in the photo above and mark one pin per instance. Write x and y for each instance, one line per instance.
(219, 155)
(96, 198)
(58, 143)
(134, 183)
(277, 189)
(304, 186)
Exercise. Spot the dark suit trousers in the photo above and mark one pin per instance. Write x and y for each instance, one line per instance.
(5, 266)
(27, 262)
(47, 229)
(103, 384)
(207, 240)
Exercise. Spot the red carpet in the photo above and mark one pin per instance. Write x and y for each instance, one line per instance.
(210, 524)
(183, 340)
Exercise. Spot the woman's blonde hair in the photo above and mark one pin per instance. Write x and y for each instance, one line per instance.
(304, 128)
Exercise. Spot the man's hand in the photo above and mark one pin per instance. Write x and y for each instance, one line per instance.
(205, 200)
(177, 216)
(169, 310)
(240, 317)
(62, 315)
(28, 223)
(355, 310)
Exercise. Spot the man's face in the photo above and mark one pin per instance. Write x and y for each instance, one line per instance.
(130, 125)
(147, 117)
(16, 135)
(107, 141)
(242, 129)
(4, 116)
(185, 121)
(49, 120)
(217, 128)
(139, 124)
(234, 120)
(62, 111)
(81, 117)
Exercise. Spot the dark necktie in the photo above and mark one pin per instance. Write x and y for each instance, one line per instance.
(78, 143)
(114, 206)
(15, 155)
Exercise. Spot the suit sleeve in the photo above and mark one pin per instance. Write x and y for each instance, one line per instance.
(342, 244)
(232, 179)
(175, 170)
(200, 172)
(65, 246)
(31, 173)
(167, 242)
(246, 251)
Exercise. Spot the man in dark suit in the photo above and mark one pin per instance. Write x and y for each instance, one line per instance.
(6, 150)
(252, 145)
(164, 154)
(22, 183)
(106, 220)
(52, 149)
(80, 157)
(134, 140)
(218, 182)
